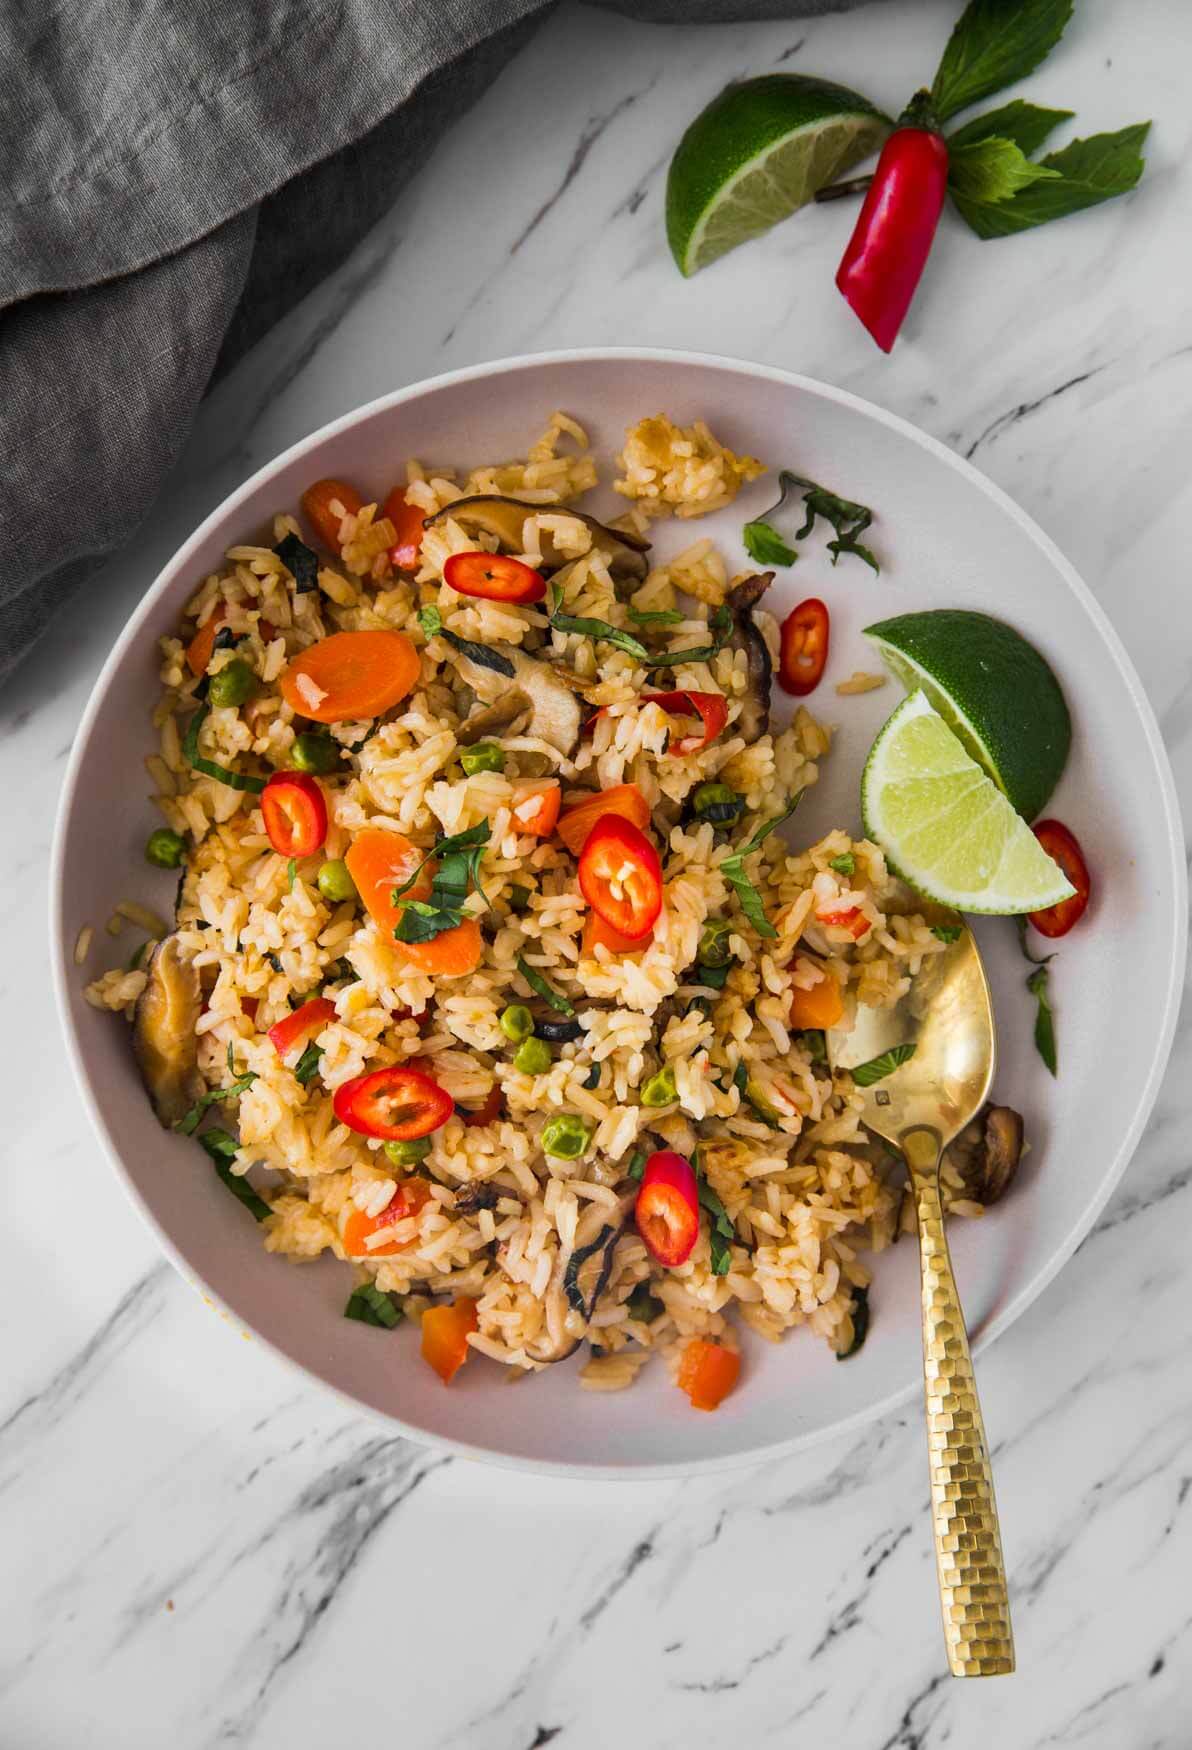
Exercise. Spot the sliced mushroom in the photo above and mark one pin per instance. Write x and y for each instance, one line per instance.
(987, 1152)
(556, 712)
(494, 717)
(577, 1284)
(489, 514)
(164, 1038)
(754, 718)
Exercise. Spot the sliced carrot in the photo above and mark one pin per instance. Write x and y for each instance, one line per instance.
(536, 808)
(407, 1200)
(821, 1006)
(445, 1336)
(407, 519)
(350, 675)
(450, 954)
(708, 1372)
(202, 646)
(317, 501)
(623, 799)
(378, 861)
(599, 934)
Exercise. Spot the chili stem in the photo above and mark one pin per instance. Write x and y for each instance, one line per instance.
(838, 191)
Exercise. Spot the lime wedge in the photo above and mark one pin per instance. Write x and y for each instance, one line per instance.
(944, 826)
(757, 154)
(993, 688)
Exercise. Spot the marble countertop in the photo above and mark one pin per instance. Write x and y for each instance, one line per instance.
(198, 1548)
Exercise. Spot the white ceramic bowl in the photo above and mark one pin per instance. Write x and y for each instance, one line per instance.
(947, 538)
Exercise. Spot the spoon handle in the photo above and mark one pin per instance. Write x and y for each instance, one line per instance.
(968, 1545)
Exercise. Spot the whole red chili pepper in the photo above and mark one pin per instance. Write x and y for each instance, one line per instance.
(888, 249)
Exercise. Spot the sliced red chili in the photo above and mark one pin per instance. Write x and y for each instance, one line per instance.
(1061, 846)
(804, 647)
(853, 920)
(487, 1112)
(407, 521)
(888, 249)
(301, 1026)
(710, 708)
(397, 1104)
(295, 814)
(667, 1207)
(620, 876)
(494, 577)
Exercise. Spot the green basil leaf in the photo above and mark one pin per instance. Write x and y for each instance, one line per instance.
(991, 170)
(421, 922)
(765, 546)
(711, 977)
(763, 832)
(878, 1068)
(222, 1149)
(480, 654)
(848, 518)
(190, 1121)
(291, 873)
(1034, 959)
(546, 991)
(860, 1323)
(733, 870)
(845, 864)
(1044, 1018)
(603, 633)
(947, 932)
(815, 1043)
(209, 768)
(721, 1231)
(307, 1067)
(370, 1306)
(637, 1164)
(655, 616)
(995, 43)
(430, 619)
(720, 625)
(1027, 124)
(302, 563)
(1079, 175)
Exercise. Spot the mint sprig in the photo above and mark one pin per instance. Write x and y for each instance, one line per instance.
(995, 43)
(1081, 174)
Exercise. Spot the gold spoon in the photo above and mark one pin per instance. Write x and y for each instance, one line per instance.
(947, 1018)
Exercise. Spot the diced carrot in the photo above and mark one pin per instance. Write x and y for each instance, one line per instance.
(450, 954)
(821, 1006)
(536, 808)
(708, 1372)
(317, 501)
(445, 1336)
(202, 646)
(407, 1200)
(350, 675)
(407, 519)
(623, 799)
(599, 934)
(378, 861)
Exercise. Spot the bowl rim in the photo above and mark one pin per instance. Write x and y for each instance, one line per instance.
(62, 959)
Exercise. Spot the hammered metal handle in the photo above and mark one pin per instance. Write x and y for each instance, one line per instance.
(968, 1545)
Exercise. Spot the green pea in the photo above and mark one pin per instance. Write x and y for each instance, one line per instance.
(717, 803)
(486, 756)
(404, 1154)
(533, 1057)
(314, 752)
(165, 849)
(660, 1090)
(516, 1022)
(335, 883)
(234, 683)
(566, 1137)
(713, 942)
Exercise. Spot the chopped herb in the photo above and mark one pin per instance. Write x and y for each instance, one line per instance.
(301, 562)
(655, 616)
(878, 1068)
(947, 932)
(223, 1148)
(307, 1067)
(860, 1312)
(642, 1305)
(845, 864)
(592, 1079)
(721, 1231)
(480, 654)
(370, 1306)
(1044, 1018)
(733, 870)
(816, 1044)
(765, 546)
(712, 977)
(430, 619)
(740, 1076)
(291, 872)
(849, 519)
(546, 991)
(209, 768)
(190, 1121)
(721, 627)
(134, 959)
(602, 633)
(637, 1164)
(518, 897)
(459, 858)
(1035, 959)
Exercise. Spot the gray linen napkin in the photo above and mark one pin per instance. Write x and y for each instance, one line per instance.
(177, 177)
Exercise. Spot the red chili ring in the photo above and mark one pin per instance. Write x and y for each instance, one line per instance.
(667, 1208)
(396, 1104)
(295, 814)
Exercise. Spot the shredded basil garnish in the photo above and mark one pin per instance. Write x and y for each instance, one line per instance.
(655, 616)
(848, 519)
(878, 1068)
(209, 768)
(947, 932)
(765, 546)
(733, 870)
(603, 633)
(546, 991)
(190, 1121)
(1044, 1018)
(845, 864)
(721, 1231)
(223, 1148)
(459, 857)
(301, 561)
(307, 1067)
(860, 1323)
(637, 1163)
(479, 654)
(370, 1306)
(721, 627)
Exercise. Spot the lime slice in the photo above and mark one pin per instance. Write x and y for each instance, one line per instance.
(993, 688)
(944, 826)
(757, 154)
